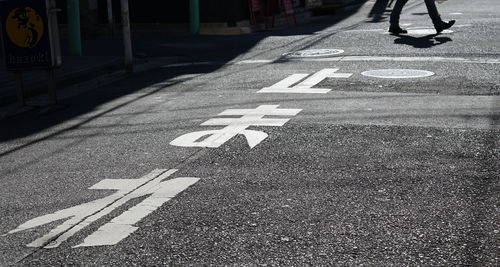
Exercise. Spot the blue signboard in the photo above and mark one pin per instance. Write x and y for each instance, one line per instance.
(27, 35)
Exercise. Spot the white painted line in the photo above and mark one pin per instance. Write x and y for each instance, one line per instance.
(414, 30)
(254, 61)
(421, 31)
(122, 226)
(426, 31)
(349, 59)
(290, 80)
(403, 59)
(314, 53)
(79, 217)
(285, 86)
(321, 75)
(456, 13)
(367, 30)
(191, 64)
(236, 126)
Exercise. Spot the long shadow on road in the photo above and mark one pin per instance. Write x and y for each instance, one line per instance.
(30, 123)
(191, 48)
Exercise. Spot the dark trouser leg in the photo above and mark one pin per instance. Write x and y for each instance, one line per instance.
(396, 12)
(433, 12)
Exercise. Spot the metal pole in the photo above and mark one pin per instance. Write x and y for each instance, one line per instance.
(194, 16)
(52, 87)
(21, 102)
(127, 40)
(110, 12)
(74, 36)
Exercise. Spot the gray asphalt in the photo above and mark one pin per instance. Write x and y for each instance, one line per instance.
(376, 172)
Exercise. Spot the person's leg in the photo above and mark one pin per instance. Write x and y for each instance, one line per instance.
(439, 24)
(396, 12)
(433, 12)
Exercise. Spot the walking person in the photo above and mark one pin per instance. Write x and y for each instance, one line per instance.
(439, 24)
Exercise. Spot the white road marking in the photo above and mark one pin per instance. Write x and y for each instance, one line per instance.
(366, 30)
(314, 53)
(384, 59)
(122, 226)
(78, 217)
(191, 64)
(305, 87)
(426, 31)
(253, 61)
(235, 126)
(405, 26)
(390, 59)
(397, 73)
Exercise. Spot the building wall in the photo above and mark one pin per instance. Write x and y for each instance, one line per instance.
(94, 14)
(154, 11)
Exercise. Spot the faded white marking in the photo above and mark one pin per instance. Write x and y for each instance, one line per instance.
(406, 25)
(305, 87)
(314, 53)
(406, 59)
(191, 64)
(390, 59)
(253, 61)
(366, 30)
(78, 217)
(235, 126)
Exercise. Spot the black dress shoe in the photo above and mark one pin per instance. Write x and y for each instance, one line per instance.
(444, 26)
(396, 30)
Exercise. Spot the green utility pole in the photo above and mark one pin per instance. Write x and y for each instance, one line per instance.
(74, 37)
(194, 16)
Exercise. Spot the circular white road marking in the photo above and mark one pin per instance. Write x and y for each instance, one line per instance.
(314, 53)
(397, 73)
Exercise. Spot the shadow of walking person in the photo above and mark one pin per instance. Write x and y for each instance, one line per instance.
(427, 41)
(380, 11)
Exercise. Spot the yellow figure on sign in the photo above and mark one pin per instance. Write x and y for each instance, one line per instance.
(24, 27)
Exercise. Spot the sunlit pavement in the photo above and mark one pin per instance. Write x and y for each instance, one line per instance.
(386, 153)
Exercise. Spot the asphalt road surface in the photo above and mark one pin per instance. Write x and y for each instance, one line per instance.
(258, 158)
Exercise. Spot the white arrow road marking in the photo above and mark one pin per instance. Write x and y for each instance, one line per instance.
(285, 86)
(119, 228)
